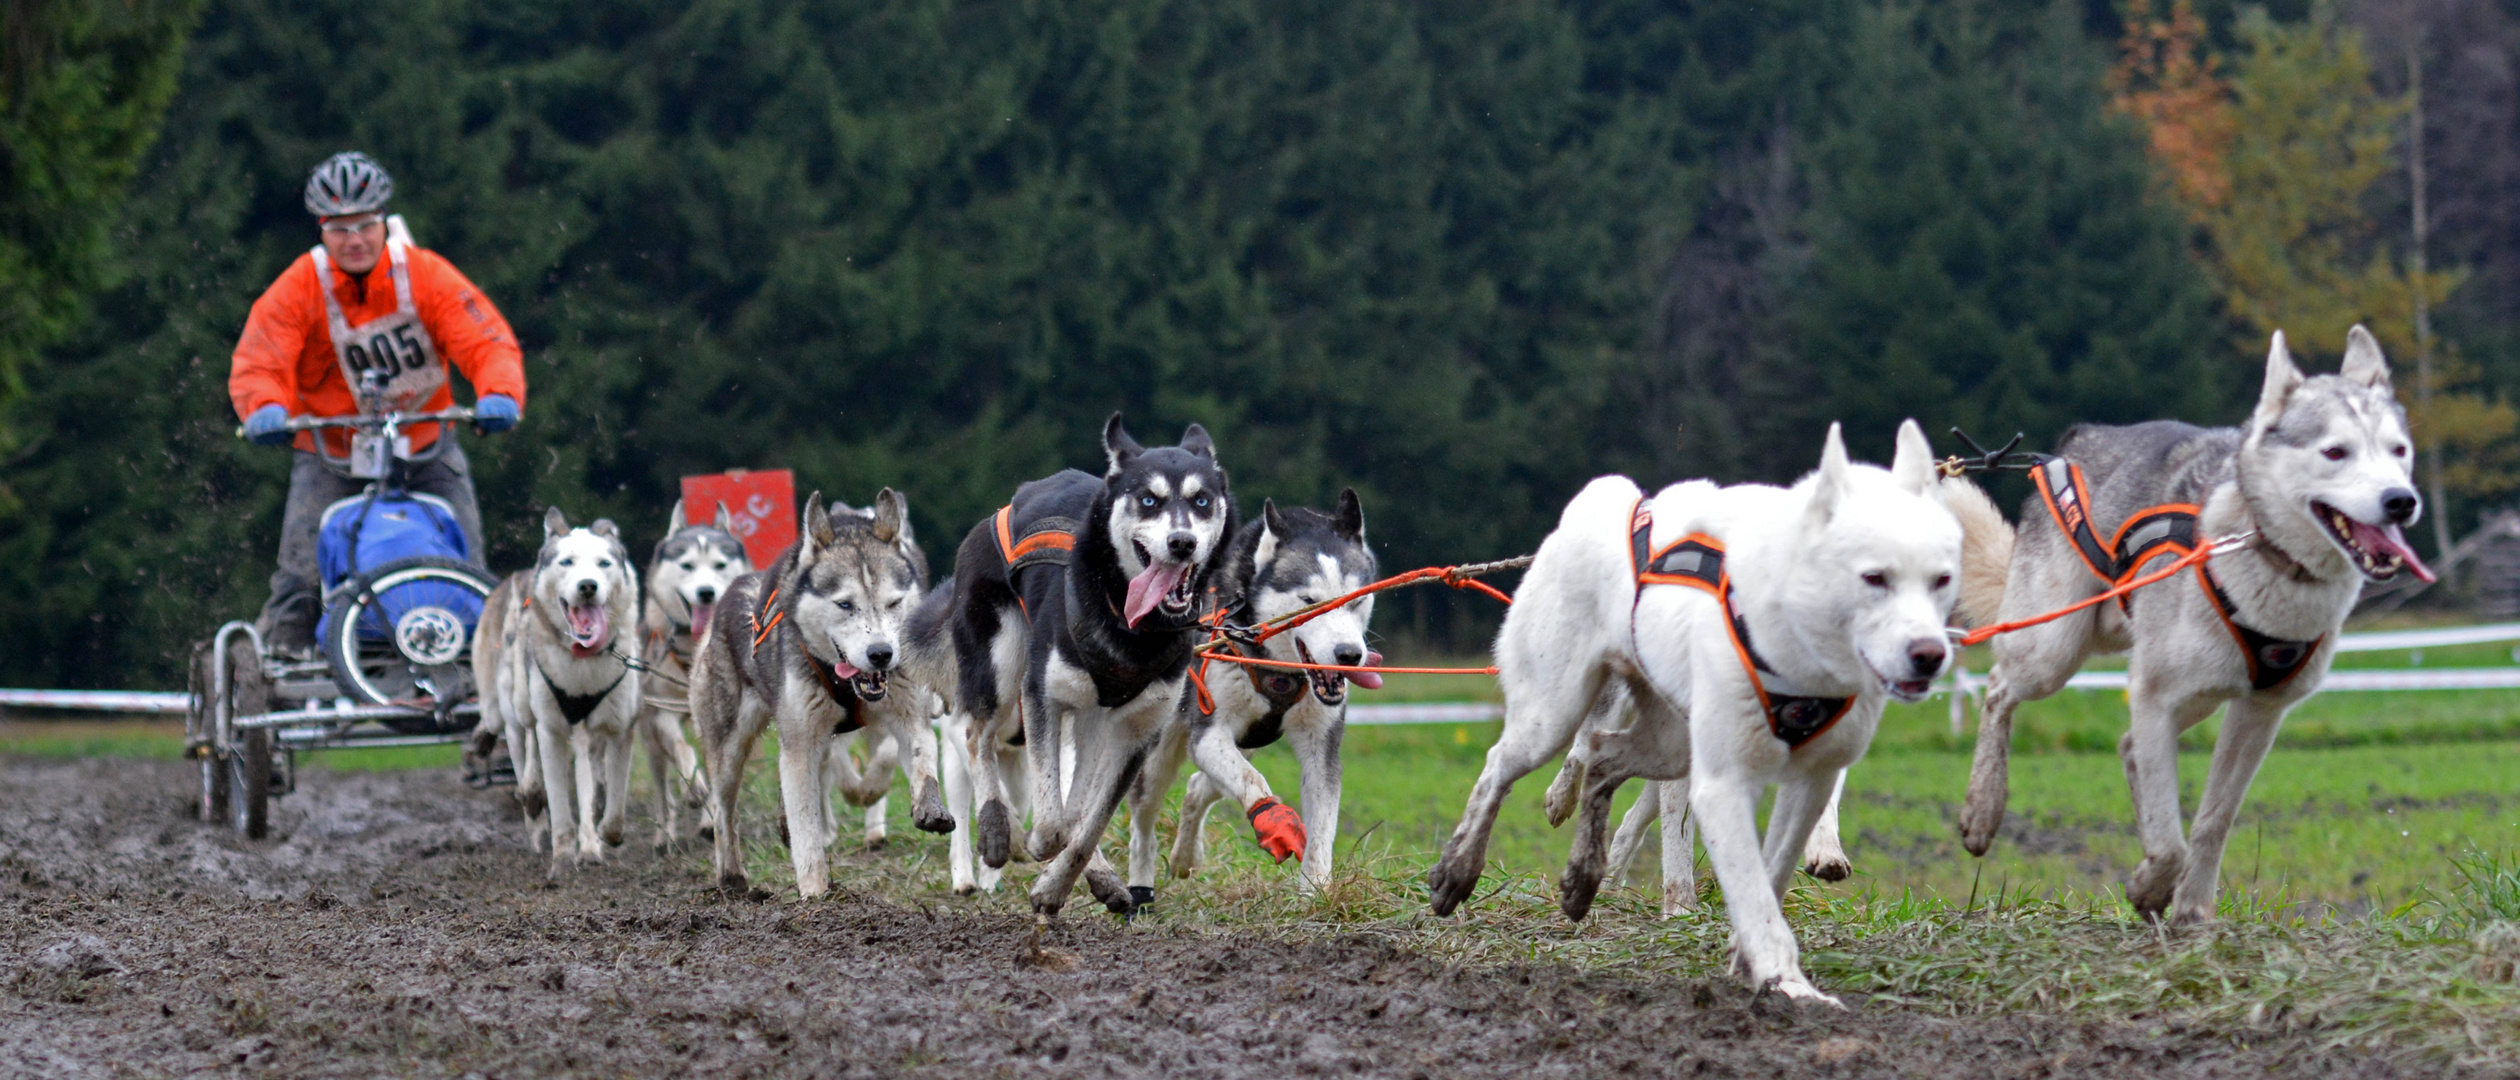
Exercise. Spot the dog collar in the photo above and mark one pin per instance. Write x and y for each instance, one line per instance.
(1697, 561)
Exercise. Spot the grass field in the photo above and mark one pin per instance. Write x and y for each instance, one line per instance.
(2370, 885)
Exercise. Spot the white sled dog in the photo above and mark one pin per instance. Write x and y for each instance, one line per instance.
(811, 643)
(1756, 632)
(693, 566)
(546, 658)
(1283, 563)
(2319, 481)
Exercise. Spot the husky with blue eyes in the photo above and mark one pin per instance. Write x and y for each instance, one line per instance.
(1075, 611)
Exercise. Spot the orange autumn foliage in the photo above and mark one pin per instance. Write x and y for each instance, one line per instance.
(2167, 82)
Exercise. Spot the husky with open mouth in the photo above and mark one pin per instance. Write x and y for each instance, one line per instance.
(1075, 612)
(1285, 562)
(549, 660)
(693, 567)
(2319, 481)
(812, 643)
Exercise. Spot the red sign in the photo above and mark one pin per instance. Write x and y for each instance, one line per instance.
(762, 505)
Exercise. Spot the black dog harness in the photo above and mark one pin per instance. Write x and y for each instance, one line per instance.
(2148, 533)
(577, 707)
(1697, 561)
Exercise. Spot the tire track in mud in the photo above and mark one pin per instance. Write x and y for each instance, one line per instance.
(399, 925)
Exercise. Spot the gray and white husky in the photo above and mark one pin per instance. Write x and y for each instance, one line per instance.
(547, 658)
(1755, 632)
(693, 566)
(2319, 481)
(811, 642)
(1280, 564)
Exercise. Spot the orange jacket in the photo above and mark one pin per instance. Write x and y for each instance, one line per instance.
(286, 354)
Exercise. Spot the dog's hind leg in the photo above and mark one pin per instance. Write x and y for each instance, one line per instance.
(1825, 856)
(1540, 720)
(1630, 838)
(1679, 848)
(1317, 753)
(911, 732)
(2248, 729)
(1801, 798)
(2029, 665)
(1586, 858)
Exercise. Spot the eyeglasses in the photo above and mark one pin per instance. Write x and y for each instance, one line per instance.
(352, 225)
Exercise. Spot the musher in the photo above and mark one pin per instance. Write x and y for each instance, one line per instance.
(358, 302)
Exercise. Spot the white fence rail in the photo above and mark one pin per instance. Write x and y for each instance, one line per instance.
(1473, 712)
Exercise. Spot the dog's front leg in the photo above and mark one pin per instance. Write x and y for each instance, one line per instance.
(2248, 729)
(1146, 802)
(648, 730)
(1189, 843)
(616, 749)
(588, 775)
(1106, 761)
(803, 764)
(1228, 771)
(1825, 856)
(1044, 749)
(2150, 753)
(1721, 796)
(1679, 848)
(909, 730)
(1317, 753)
(955, 769)
(551, 736)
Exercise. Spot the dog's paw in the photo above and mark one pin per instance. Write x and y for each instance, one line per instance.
(1045, 843)
(533, 803)
(2156, 880)
(1799, 990)
(1577, 890)
(1560, 801)
(993, 833)
(878, 841)
(1110, 891)
(1829, 868)
(1450, 882)
(1142, 895)
(967, 889)
(707, 834)
(734, 885)
(1980, 817)
(928, 810)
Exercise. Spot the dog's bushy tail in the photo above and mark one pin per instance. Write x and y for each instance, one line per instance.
(1986, 547)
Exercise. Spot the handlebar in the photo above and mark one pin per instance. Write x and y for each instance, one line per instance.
(371, 420)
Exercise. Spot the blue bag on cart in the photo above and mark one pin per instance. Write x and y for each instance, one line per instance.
(362, 533)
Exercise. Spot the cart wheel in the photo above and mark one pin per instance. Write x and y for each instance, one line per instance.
(200, 730)
(249, 783)
(425, 634)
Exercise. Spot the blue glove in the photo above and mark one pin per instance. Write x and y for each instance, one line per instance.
(495, 413)
(269, 426)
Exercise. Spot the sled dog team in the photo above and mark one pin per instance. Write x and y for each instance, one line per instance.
(1712, 640)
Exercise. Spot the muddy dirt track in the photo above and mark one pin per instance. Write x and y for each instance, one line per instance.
(397, 925)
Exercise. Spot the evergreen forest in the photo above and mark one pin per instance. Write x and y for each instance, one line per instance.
(1461, 256)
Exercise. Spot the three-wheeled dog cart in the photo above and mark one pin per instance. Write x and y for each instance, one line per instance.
(393, 663)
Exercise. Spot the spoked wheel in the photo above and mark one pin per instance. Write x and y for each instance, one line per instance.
(403, 632)
(236, 784)
(200, 739)
(249, 783)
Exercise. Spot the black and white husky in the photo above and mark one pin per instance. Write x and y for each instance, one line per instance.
(693, 566)
(1283, 563)
(810, 643)
(548, 659)
(1075, 613)
(2320, 482)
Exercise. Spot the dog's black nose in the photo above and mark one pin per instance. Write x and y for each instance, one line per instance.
(1925, 656)
(1183, 543)
(706, 594)
(585, 591)
(2399, 504)
(879, 656)
(1348, 655)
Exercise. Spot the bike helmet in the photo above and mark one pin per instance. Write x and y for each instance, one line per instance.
(347, 183)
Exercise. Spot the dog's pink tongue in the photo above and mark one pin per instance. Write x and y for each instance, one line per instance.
(588, 624)
(1368, 679)
(2391, 538)
(844, 669)
(1148, 588)
(700, 614)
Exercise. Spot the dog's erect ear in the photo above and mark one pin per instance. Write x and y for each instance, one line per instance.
(555, 523)
(2364, 366)
(2282, 378)
(816, 528)
(1118, 447)
(605, 528)
(1913, 464)
(1834, 479)
(892, 516)
(1272, 530)
(724, 522)
(677, 522)
(1351, 517)
(1195, 439)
